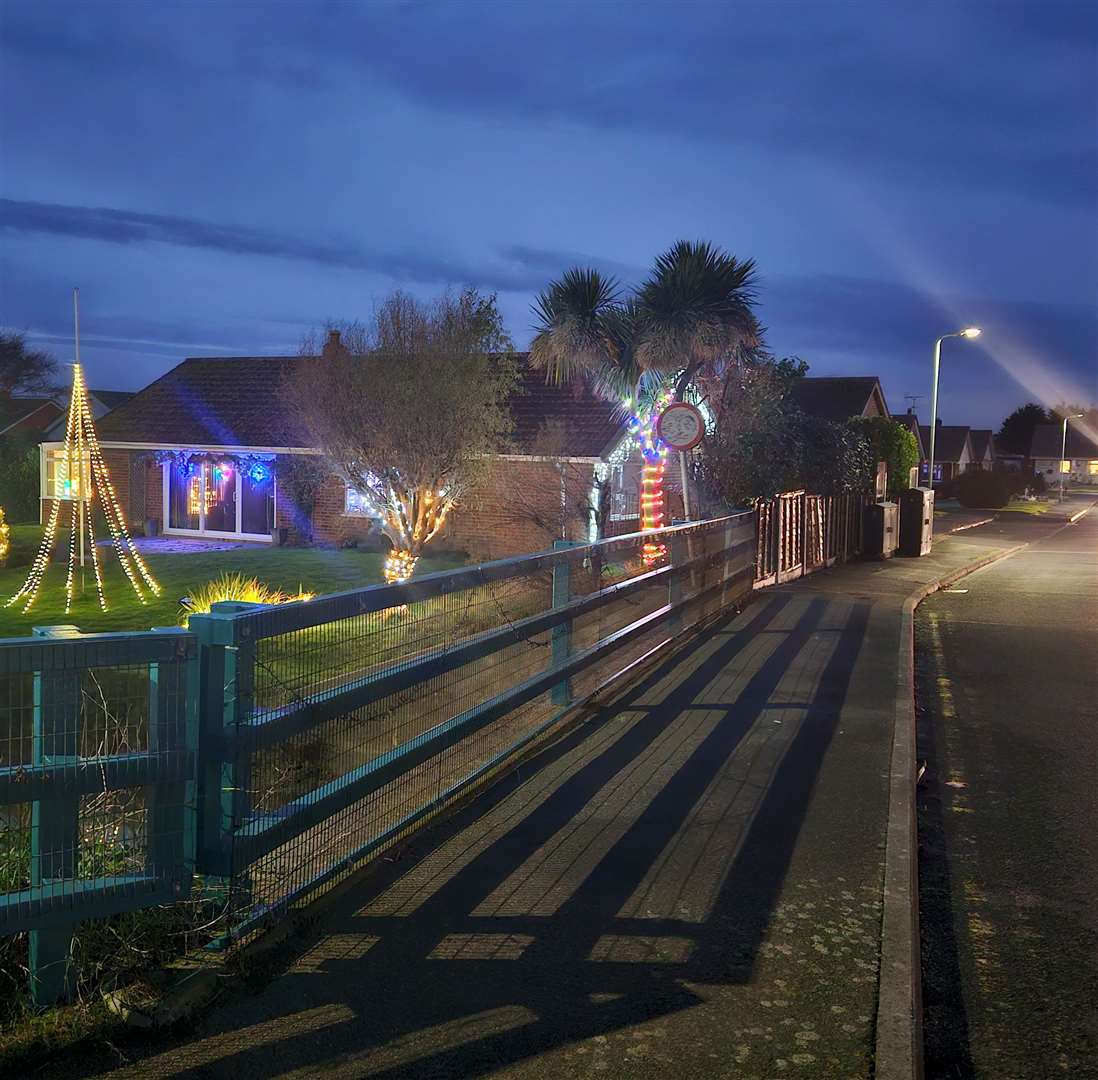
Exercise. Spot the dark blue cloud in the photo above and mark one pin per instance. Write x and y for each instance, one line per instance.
(219, 178)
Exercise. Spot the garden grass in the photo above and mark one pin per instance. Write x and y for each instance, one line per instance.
(1039, 507)
(316, 570)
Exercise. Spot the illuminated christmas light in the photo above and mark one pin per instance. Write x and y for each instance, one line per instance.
(85, 477)
(642, 426)
(399, 566)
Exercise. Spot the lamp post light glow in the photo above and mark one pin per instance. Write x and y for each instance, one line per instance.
(968, 332)
(1063, 449)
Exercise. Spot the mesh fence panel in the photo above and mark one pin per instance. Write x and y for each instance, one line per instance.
(95, 759)
(325, 752)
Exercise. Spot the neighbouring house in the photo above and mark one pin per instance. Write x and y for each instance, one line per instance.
(101, 402)
(198, 453)
(28, 415)
(1080, 457)
(952, 451)
(44, 417)
(839, 397)
(983, 449)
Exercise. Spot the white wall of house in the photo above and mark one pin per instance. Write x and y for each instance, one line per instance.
(1082, 470)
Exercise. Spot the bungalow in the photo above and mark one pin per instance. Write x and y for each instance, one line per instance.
(952, 451)
(983, 449)
(840, 397)
(1080, 454)
(207, 451)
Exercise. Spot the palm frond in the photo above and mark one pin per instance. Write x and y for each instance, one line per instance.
(696, 307)
(583, 332)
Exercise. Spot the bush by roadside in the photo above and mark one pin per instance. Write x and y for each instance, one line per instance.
(983, 489)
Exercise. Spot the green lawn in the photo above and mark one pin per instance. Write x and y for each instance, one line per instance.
(1038, 507)
(314, 569)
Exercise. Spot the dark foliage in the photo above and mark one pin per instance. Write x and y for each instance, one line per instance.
(983, 489)
(24, 370)
(1016, 434)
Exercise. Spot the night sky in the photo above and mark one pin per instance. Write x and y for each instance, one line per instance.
(218, 178)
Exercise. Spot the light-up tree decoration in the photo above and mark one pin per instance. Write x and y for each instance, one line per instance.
(83, 477)
(642, 426)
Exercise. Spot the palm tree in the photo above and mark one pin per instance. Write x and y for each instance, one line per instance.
(688, 323)
(691, 318)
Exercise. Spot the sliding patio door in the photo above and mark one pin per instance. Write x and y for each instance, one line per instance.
(218, 499)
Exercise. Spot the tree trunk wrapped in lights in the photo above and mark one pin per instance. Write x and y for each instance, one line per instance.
(83, 479)
(413, 407)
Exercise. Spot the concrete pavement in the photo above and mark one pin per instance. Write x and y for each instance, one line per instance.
(689, 884)
(1008, 692)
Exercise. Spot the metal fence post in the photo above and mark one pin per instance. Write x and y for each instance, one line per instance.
(170, 849)
(225, 702)
(55, 822)
(561, 693)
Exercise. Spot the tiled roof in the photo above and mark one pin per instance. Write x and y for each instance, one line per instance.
(222, 401)
(19, 413)
(949, 442)
(239, 401)
(837, 397)
(1047, 442)
(112, 398)
(982, 443)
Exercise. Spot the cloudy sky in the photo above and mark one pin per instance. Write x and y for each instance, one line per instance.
(218, 178)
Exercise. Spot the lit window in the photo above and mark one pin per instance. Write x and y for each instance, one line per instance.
(358, 505)
(64, 478)
(1092, 468)
(624, 491)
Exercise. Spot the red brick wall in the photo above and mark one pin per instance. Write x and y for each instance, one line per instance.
(118, 465)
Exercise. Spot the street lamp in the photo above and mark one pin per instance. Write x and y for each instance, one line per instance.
(968, 332)
(1063, 448)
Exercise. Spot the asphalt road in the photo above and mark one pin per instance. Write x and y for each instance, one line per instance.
(1007, 687)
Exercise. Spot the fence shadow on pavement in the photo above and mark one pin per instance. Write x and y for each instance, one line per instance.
(592, 889)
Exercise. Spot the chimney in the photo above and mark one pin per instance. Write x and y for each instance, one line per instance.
(909, 410)
(333, 346)
(938, 421)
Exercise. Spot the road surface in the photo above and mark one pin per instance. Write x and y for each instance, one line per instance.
(1007, 684)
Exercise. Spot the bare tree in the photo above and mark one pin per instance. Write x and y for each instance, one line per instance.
(409, 408)
(24, 370)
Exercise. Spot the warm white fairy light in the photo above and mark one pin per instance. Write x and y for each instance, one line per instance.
(82, 481)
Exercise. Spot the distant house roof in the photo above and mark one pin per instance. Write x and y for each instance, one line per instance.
(1047, 442)
(840, 397)
(31, 414)
(983, 445)
(949, 442)
(911, 422)
(240, 402)
(111, 399)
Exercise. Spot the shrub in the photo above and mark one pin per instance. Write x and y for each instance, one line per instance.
(246, 590)
(19, 477)
(891, 443)
(983, 489)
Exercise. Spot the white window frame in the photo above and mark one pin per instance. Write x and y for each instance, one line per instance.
(203, 533)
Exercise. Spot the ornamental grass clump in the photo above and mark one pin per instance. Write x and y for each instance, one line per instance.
(245, 590)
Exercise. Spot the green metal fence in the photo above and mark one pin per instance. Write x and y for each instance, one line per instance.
(334, 726)
(271, 749)
(97, 769)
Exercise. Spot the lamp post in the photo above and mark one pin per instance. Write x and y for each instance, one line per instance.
(968, 332)
(1063, 449)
